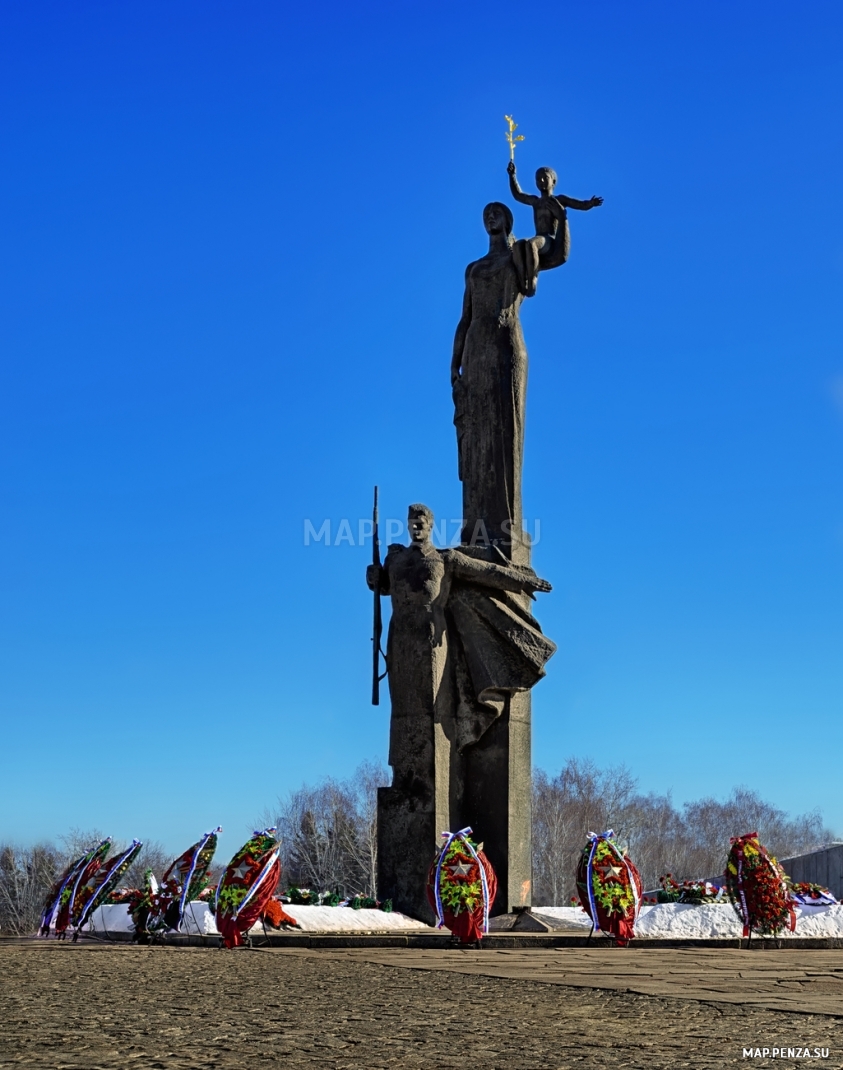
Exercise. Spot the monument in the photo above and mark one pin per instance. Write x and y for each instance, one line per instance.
(464, 650)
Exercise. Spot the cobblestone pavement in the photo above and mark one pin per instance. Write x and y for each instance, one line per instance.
(109, 1007)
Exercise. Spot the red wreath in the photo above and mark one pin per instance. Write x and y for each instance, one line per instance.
(232, 929)
(251, 877)
(458, 874)
(758, 889)
(609, 887)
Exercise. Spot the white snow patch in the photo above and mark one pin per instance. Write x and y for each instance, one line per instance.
(686, 921)
(708, 921)
(346, 919)
(712, 920)
(816, 921)
(112, 918)
(199, 920)
(115, 918)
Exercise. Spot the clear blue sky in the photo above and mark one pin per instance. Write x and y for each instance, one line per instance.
(233, 244)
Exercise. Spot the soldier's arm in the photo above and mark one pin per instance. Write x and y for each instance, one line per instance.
(377, 578)
(519, 578)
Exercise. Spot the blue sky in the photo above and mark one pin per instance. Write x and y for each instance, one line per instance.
(233, 243)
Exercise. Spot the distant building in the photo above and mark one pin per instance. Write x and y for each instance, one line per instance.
(823, 865)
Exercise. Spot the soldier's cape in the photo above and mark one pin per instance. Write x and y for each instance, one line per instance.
(499, 650)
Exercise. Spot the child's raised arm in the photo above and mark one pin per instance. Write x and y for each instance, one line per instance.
(517, 192)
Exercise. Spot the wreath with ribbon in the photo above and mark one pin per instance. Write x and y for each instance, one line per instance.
(808, 894)
(184, 881)
(758, 888)
(609, 887)
(99, 887)
(247, 885)
(139, 903)
(461, 887)
(78, 891)
(60, 897)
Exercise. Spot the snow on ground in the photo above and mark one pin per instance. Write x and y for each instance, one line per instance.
(114, 918)
(199, 920)
(671, 921)
(346, 919)
(684, 921)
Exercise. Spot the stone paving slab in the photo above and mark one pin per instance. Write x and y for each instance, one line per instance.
(807, 982)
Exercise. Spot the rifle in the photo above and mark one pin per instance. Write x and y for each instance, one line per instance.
(377, 627)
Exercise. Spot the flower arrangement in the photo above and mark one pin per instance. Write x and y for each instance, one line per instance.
(461, 886)
(60, 899)
(807, 894)
(243, 870)
(363, 902)
(247, 885)
(669, 891)
(79, 888)
(139, 902)
(88, 887)
(699, 892)
(609, 887)
(309, 897)
(275, 915)
(106, 880)
(689, 892)
(758, 888)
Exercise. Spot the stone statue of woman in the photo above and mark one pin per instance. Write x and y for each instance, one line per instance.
(489, 380)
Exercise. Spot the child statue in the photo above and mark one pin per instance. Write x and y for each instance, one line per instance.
(549, 211)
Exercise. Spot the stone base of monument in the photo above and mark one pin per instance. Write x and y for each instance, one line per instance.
(532, 920)
(664, 926)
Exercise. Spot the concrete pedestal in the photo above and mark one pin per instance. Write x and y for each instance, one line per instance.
(497, 802)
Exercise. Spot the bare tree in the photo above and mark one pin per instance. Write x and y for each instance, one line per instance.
(552, 837)
(329, 832)
(77, 841)
(581, 799)
(363, 849)
(26, 875)
(319, 824)
(710, 824)
(691, 843)
(655, 838)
